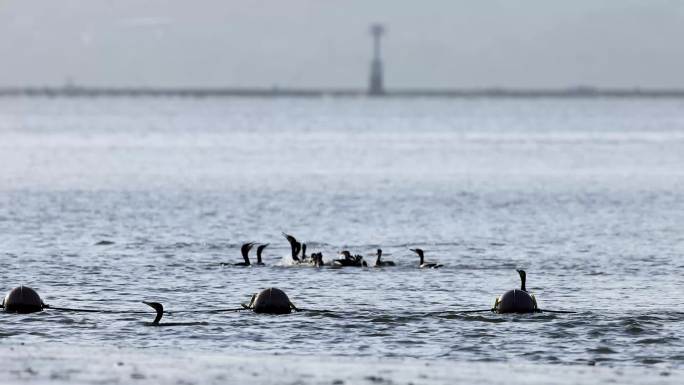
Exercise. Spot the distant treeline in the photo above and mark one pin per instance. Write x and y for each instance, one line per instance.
(579, 92)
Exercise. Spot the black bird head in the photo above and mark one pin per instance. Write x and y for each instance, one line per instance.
(346, 254)
(159, 308)
(420, 254)
(289, 237)
(294, 245)
(418, 251)
(260, 249)
(292, 240)
(523, 277)
(246, 248)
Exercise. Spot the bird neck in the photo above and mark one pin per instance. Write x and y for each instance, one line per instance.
(160, 313)
(522, 284)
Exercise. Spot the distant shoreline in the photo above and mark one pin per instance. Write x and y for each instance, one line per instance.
(182, 92)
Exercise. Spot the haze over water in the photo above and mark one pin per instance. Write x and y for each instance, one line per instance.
(586, 195)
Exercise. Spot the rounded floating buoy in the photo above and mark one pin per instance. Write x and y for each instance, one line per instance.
(23, 299)
(516, 301)
(271, 301)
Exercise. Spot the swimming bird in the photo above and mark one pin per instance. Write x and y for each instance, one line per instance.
(259, 250)
(423, 264)
(313, 260)
(160, 312)
(304, 257)
(517, 301)
(294, 246)
(379, 263)
(523, 278)
(317, 259)
(349, 260)
(245, 254)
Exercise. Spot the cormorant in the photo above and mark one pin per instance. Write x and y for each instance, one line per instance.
(517, 301)
(259, 250)
(294, 245)
(423, 264)
(245, 254)
(160, 312)
(349, 260)
(379, 263)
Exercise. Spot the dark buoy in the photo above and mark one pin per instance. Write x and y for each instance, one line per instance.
(516, 301)
(271, 301)
(24, 300)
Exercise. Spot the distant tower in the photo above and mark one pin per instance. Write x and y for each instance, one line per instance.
(375, 86)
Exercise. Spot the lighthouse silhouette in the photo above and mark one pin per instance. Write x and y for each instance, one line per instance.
(375, 84)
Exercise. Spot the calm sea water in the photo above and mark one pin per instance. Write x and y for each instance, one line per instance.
(586, 195)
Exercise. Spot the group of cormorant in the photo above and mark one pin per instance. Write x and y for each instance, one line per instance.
(245, 254)
(299, 257)
(513, 301)
(272, 300)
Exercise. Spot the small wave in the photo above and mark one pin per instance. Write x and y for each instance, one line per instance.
(602, 350)
(652, 341)
(633, 327)
(651, 361)
(475, 318)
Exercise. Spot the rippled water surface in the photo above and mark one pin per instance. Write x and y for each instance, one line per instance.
(586, 195)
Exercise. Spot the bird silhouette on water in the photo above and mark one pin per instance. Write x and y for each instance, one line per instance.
(160, 313)
(423, 264)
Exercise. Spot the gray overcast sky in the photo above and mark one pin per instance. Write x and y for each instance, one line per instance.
(430, 43)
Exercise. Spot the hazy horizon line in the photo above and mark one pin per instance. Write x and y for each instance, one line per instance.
(73, 90)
